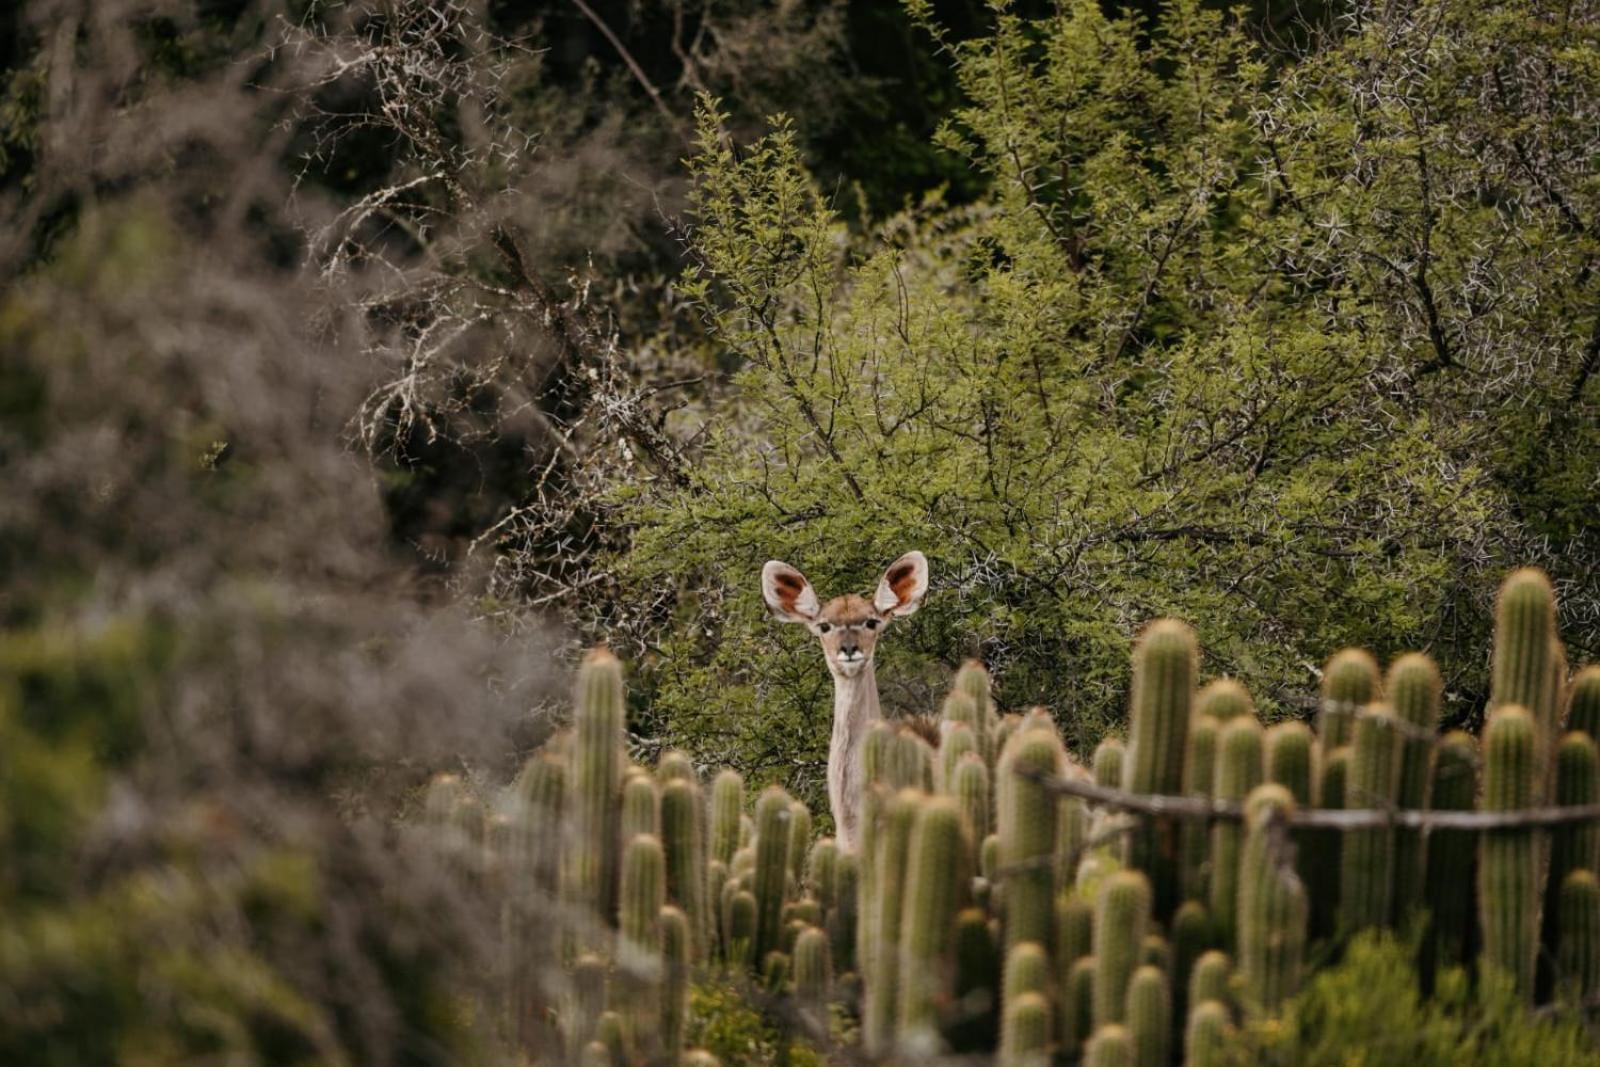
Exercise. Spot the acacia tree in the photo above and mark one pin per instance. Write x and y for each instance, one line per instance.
(1295, 347)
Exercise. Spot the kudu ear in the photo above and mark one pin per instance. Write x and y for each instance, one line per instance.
(902, 585)
(787, 593)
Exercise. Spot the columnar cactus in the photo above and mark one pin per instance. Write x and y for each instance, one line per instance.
(799, 839)
(1452, 854)
(1122, 915)
(970, 787)
(1210, 979)
(727, 803)
(1349, 683)
(1027, 833)
(681, 833)
(1224, 700)
(1074, 930)
(976, 993)
(844, 916)
(1025, 1033)
(813, 975)
(882, 962)
(1239, 770)
(938, 877)
(533, 862)
(676, 959)
(740, 923)
(822, 873)
(1326, 847)
(1574, 846)
(773, 816)
(1583, 704)
(1366, 871)
(1191, 937)
(675, 765)
(955, 741)
(1205, 1041)
(1414, 690)
(594, 800)
(1164, 663)
(585, 1000)
(908, 762)
(1508, 861)
(1077, 1004)
(1289, 757)
(1027, 971)
(1111, 1046)
(641, 806)
(1109, 755)
(1199, 778)
(1578, 937)
(639, 958)
(972, 682)
(1525, 655)
(1150, 1016)
(1273, 911)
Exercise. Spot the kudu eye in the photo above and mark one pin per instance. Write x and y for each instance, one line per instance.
(823, 627)
(872, 624)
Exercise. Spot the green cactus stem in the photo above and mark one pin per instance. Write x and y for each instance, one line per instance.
(639, 954)
(773, 817)
(1164, 663)
(1583, 703)
(822, 873)
(1025, 1034)
(1074, 930)
(1211, 979)
(741, 928)
(1225, 700)
(1111, 1046)
(1508, 860)
(1578, 938)
(1191, 938)
(1574, 846)
(775, 970)
(939, 873)
(842, 918)
(1366, 871)
(1349, 683)
(976, 986)
(1109, 756)
(877, 751)
(1077, 1004)
(676, 766)
(1273, 910)
(955, 741)
(1526, 655)
(610, 1032)
(1452, 856)
(799, 840)
(813, 975)
(1027, 821)
(676, 959)
(641, 806)
(1239, 770)
(1206, 1039)
(1122, 915)
(584, 1002)
(594, 801)
(1415, 692)
(1199, 778)
(882, 962)
(596, 1054)
(1289, 750)
(727, 802)
(682, 811)
(1150, 1016)
(971, 788)
(1325, 848)
(972, 682)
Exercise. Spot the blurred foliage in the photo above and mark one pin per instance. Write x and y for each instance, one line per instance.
(1369, 1009)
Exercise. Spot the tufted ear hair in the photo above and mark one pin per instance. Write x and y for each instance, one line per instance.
(787, 593)
(902, 585)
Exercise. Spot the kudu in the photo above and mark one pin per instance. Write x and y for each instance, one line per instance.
(848, 628)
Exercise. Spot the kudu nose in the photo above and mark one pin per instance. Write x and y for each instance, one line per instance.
(850, 650)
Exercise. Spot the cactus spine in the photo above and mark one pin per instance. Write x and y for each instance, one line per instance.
(1239, 770)
(1027, 834)
(1150, 1016)
(1164, 662)
(1122, 915)
(1273, 911)
(1349, 683)
(1366, 872)
(1508, 863)
(938, 876)
(772, 867)
(589, 875)
(1199, 777)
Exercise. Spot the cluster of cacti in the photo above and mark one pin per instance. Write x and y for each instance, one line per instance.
(987, 909)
